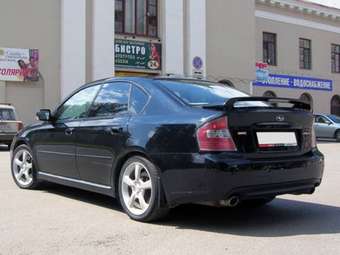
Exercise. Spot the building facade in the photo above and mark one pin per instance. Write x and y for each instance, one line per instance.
(84, 40)
(300, 42)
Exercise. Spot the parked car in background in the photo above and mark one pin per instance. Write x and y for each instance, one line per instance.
(327, 126)
(9, 124)
(155, 143)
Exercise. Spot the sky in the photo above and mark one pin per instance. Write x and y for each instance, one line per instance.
(332, 3)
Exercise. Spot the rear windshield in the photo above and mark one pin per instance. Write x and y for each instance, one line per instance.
(201, 92)
(7, 114)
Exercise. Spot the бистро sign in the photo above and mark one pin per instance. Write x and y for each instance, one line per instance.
(138, 55)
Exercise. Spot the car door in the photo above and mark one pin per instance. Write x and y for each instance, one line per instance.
(323, 127)
(54, 144)
(102, 136)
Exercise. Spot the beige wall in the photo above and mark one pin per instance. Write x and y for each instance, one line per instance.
(33, 24)
(288, 55)
(230, 41)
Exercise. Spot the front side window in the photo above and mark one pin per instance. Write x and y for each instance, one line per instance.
(137, 17)
(78, 105)
(269, 49)
(335, 58)
(321, 120)
(305, 47)
(112, 99)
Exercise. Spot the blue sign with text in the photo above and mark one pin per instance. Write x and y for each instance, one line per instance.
(295, 82)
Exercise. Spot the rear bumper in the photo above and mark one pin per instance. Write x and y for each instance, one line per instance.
(213, 177)
(6, 138)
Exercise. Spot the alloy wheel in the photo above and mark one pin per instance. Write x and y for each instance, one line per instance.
(136, 188)
(23, 167)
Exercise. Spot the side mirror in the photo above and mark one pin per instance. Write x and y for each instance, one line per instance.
(44, 115)
(330, 123)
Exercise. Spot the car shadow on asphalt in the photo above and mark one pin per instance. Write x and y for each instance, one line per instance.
(81, 195)
(282, 217)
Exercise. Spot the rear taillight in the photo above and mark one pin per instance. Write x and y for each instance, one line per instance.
(20, 126)
(215, 136)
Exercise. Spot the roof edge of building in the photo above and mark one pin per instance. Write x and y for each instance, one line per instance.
(305, 7)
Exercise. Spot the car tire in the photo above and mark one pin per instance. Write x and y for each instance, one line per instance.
(22, 168)
(140, 190)
(337, 136)
(254, 203)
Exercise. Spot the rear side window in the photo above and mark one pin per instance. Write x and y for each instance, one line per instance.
(138, 100)
(112, 99)
(7, 114)
(202, 93)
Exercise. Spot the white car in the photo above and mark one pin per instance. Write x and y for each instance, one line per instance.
(9, 124)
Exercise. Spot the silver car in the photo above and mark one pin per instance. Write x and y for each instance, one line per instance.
(327, 126)
(9, 124)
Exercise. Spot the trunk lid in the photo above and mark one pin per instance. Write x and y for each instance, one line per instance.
(277, 128)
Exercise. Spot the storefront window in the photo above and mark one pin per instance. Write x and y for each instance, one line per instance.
(136, 17)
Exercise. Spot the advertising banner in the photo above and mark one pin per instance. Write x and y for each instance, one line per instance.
(19, 64)
(296, 82)
(138, 55)
(262, 72)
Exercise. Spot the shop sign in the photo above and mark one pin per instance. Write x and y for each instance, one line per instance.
(19, 64)
(262, 72)
(138, 55)
(296, 82)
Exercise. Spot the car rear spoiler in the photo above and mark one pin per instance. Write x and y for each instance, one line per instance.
(296, 104)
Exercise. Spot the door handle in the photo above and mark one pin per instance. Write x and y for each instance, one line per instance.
(69, 131)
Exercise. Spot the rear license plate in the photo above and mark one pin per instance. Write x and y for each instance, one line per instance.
(276, 139)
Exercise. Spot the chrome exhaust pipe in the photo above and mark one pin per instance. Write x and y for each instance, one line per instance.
(231, 202)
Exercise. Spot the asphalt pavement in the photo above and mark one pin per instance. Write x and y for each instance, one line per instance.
(61, 220)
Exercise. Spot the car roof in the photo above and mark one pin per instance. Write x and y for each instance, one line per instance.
(6, 106)
(146, 78)
(141, 79)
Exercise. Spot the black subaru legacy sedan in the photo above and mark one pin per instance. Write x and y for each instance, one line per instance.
(155, 143)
